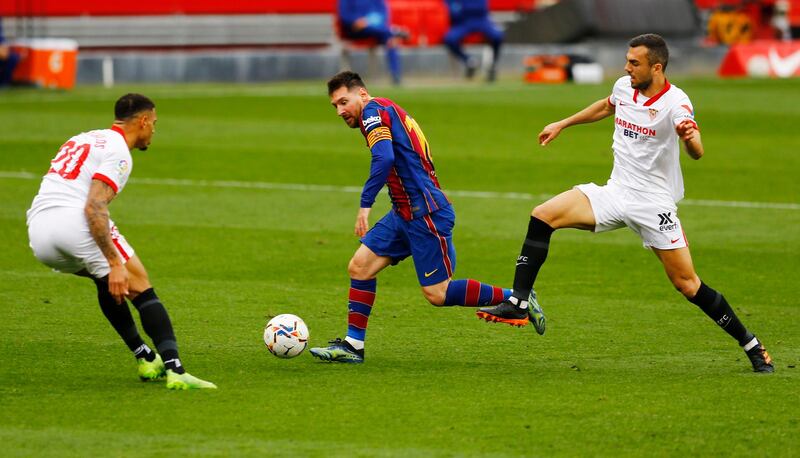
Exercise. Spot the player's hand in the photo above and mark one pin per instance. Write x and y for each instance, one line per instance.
(686, 130)
(362, 222)
(118, 282)
(549, 133)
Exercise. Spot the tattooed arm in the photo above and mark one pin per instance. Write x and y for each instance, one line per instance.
(96, 211)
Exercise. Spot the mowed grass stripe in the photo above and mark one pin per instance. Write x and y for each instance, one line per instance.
(357, 189)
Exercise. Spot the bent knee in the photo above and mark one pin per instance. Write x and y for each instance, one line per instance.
(136, 288)
(138, 282)
(436, 298)
(543, 213)
(687, 285)
(357, 269)
(354, 268)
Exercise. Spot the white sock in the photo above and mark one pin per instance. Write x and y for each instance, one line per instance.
(357, 344)
(751, 344)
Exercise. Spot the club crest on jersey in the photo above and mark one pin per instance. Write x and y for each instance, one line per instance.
(371, 121)
(653, 112)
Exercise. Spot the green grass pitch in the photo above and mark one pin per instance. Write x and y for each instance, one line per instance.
(627, 366)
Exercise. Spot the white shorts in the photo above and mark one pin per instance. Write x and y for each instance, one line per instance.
(60, 238)
(653, 217)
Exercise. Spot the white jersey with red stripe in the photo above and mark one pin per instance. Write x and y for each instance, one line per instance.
(98, 154)
(646, 146)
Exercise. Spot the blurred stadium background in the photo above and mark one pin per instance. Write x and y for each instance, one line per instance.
(269, 40)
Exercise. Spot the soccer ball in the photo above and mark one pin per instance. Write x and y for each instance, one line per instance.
(286, 335)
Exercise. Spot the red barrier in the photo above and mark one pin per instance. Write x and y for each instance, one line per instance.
(166, 7)
(162, 7)
(425, 21)
(779, 59)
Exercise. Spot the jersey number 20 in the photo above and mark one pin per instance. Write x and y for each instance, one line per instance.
(69, 160)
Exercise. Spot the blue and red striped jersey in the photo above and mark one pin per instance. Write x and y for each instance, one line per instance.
(412, 182)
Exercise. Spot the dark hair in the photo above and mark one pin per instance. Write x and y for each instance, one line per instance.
(129, 105)
(347, 79)
(657, 52)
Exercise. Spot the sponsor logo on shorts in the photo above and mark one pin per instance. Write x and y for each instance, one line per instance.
(428, 274)
(371, 121)
(666, 224)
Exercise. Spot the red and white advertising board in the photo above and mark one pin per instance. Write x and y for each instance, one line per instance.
(776, 59)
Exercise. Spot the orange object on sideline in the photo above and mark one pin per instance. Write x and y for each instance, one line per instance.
(46, 62)
(546, 69)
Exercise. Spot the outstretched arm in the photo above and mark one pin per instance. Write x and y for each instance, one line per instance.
(96, 211)
(594, 112)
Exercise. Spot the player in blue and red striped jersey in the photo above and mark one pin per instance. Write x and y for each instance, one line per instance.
(419, 225)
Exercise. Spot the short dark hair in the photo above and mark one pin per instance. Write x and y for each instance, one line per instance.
(657, 52)
(129, 105)
(347, 79)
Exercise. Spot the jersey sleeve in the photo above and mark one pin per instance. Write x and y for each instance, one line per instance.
(115, 168)
(380, 167)
(379, 141)
(375, 125)
(615, 93)
(683, 111)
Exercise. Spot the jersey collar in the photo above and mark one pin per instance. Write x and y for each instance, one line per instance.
(654, 98)
(119, 130)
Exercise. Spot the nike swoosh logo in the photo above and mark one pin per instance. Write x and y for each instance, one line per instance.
(784, 67)
(428, 274)
(673, 241)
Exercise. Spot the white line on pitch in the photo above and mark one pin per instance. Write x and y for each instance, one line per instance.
(357, 189)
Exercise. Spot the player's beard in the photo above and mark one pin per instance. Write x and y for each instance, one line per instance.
(143, 144)
(643, 85)
(354, 125)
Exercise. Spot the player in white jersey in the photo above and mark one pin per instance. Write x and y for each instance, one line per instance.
(651, 118)
(70, 230)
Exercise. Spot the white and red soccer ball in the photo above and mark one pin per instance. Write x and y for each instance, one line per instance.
(286, 335)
